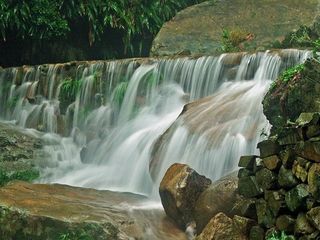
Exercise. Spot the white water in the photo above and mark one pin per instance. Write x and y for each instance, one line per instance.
(119, 140)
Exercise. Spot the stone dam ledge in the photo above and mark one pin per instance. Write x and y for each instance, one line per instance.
(42, 211)
(198, 29)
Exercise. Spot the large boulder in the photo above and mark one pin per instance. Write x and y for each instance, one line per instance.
(179, 190)
(222, 227)
(51, 212)
(18, 151)
(249, 24)
(221, 196)
(286, 100)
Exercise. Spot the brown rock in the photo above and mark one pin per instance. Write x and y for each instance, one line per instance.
(309, 150)
(220, 227)
(314, 180)
(285, 223)
(272, 163)
(221, 196)
(242, 224)
(268, 148)
(314, 217)
(179, 190)
(302, 225)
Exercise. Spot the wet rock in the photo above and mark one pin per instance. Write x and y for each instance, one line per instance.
(179, 190)
(248, 208)
(18, 152)
(248, 187)
(272, 163)
(287, 101)
(39, 211)
(264, 213)
(287, 157)
(314, 180)
(300, 168)
(244, 173)
(256, 233)
(220, 227)
(242, 224)
(258, 165)
(296, 197)
(266, 179)
(309, 150)
(286, 179)
(275, 200)
(247, 162)
(314, 217)
(221, 196)
(268, 148)
(302, 225)
(285, 223)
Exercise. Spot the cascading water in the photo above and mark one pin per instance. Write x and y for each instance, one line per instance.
(122, 108)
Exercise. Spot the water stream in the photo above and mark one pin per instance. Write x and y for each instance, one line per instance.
(123, 107)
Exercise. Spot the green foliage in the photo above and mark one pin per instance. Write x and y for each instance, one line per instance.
(291, 72)
(47, 19)
(287, 75)
(231, 39)
(281, 236)
(68, 92)
(75, 236)
(26, 175)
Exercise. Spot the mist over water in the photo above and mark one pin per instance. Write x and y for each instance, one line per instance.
(110, 144)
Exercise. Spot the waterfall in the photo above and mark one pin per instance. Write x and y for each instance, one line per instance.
(105, 137)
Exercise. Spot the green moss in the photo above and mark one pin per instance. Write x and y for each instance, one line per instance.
(68, 92)
(24, 175)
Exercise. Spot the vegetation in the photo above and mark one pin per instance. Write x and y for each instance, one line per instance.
(68, 92)
(48, 19)
(288, 75)
(280, 236)
(26, 175)
(231, 39)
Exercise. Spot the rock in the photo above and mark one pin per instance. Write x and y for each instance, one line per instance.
(221, 196)
(266, 179)
(18, 152)
(258, 165)
(306, 119)
(264, 213)
(314, 180)
(40, 211)
(247, 162)
(285, 223)
(312, 131)
(287, 157)
(275, 200)
(302, 225)
(287, 101)
(179, 190)
(286, 179)
(220, 227)
(309, 150)
(256, 233)
(314, 217)
(195, 29)
(300, 168)
(248, 208)
(242, 224)
(244, 173)
(295, 198)
(248, 187)
(268, 148)
(272, 163)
